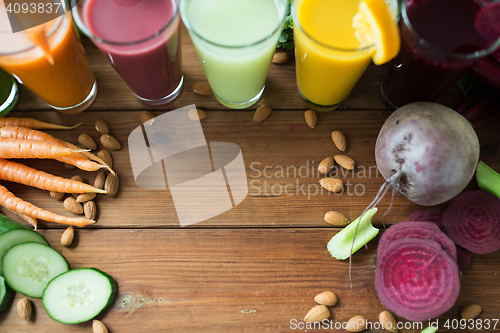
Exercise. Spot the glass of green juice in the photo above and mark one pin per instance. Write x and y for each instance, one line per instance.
(9, 92)
(235, 41)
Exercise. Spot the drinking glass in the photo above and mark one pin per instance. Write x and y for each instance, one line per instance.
(439, 44)
(61, 74)
(141, 41)
(235, 41)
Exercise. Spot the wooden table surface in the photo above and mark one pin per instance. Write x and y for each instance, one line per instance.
(257, 267)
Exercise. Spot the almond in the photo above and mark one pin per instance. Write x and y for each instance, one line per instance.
(86, 141)
(110, 142)
(197, 114)
(57, 195)
(344, 161)
(99, 327)
(280, 57)
(332, 184)
(336, 219)
(90, 210)
(201, 88)
(471, 311)
(24, 308)
(101, 127)
(311, 118)
(356, 324)
(261, 113)
(338, 139)
(317, 314)
(67, 236)
(388, 322)
(84, 197)
(100, 179)
(111, 184)
(146, 116)
(106, 157)
(326, 165)
(72, 206)
(326, 298)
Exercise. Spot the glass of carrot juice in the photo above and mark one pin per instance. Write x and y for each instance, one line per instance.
(329, 56)
(54, 67)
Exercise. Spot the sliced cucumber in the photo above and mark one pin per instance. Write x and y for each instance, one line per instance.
(78, 295)
(18, 236)
(7, 224)
(6, 294)
(28, 267)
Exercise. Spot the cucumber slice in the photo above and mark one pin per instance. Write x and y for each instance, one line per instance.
(7, 224)
(79, 295)
(18, 236)
(28, 267)
(6, 294)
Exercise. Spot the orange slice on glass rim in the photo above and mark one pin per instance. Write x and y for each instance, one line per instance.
(376, 23)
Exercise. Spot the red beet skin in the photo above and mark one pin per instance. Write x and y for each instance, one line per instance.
(423, 230)
(473, 221)
(416, 279)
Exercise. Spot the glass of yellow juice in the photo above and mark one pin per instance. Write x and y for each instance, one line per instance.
(329, 57)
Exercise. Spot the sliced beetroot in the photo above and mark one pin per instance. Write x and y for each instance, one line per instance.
(463, 258)
(433, 214)
(416, 279)
(473, 221)
(422, 230)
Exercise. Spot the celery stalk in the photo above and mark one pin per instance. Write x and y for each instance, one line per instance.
(340, 245)
(487, 179)
(430, 329)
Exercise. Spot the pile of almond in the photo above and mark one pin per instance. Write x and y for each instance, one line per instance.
(84, 203)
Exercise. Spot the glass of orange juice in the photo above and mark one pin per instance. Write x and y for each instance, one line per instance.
(55, 68)
(330, 56)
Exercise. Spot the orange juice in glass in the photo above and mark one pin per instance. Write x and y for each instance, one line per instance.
(60, 74)
(330, 56)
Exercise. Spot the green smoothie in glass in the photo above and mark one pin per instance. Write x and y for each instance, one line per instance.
(8, 93)
(235, 41)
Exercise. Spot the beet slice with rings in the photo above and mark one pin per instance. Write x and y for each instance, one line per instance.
(473, 221)
(433, 214)
(416, 279)
(423, 230)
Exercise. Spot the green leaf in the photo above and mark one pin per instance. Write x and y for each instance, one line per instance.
(340, 245)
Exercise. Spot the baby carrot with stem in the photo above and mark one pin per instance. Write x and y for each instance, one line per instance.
(11, 202)
(21, 148)
(78, 159)
(32, 123)
(22, 174)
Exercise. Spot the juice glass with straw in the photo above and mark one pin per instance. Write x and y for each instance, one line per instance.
(335, 41)
(53, 65)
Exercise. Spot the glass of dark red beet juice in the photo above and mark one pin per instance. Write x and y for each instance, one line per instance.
(140, 39)
(439, 44)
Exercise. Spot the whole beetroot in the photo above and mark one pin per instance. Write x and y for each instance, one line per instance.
(428, 152)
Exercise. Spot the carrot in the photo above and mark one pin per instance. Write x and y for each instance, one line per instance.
(20, 173)
(11, 202)
(29, 219)
(21, 148)
(89, 155)
(78, 159)
(32, 123)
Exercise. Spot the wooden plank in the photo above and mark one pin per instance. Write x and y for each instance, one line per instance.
(280, 93)
(251, 280)
(281, 157)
